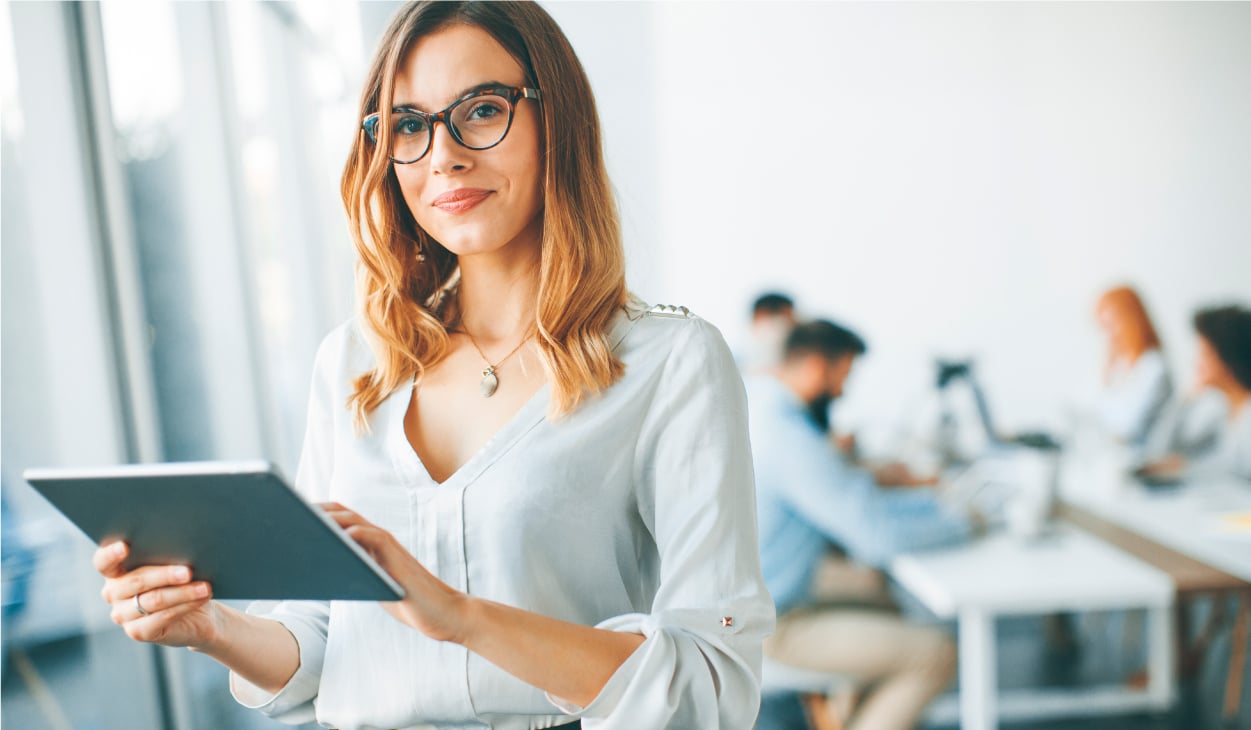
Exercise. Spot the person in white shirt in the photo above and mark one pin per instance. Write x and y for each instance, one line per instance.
(1137, 384)
(772, 319)
(559, 476)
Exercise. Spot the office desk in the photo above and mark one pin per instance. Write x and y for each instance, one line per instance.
(1184, 532)
(1064, 570)
(1189, 519)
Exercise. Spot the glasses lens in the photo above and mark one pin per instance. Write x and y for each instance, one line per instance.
(410, 136)
(481, 121)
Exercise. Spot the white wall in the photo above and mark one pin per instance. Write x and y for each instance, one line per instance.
(944, 178)
(615, 43)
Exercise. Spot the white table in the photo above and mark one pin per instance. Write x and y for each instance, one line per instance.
(1191, 519)
(1066, 570)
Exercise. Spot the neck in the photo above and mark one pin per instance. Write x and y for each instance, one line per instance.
(795, 383)
(498, 292)
(1238, 397)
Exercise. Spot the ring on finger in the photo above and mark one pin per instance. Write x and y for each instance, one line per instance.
(139, 606)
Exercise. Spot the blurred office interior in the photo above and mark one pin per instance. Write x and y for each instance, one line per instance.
(954, 180)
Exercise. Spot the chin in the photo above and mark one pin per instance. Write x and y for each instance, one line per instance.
(469, 239)
(465, 243)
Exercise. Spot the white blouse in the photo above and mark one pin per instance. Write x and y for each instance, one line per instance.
(1135, 398)
(634, 513)
(1231, 452)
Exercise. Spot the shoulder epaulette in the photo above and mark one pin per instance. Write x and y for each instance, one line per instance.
(669, 310)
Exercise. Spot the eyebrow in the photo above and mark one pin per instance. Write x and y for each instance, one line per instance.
(460, 95)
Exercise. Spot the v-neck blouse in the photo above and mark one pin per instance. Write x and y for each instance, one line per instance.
(634, 513)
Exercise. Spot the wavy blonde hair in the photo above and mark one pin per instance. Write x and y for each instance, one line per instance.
(582, 271)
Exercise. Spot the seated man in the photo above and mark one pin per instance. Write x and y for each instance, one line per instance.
(809, 496)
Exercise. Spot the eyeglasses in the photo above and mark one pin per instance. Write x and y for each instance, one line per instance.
(479, 121)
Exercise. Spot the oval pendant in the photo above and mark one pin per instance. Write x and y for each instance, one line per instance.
(489, 383)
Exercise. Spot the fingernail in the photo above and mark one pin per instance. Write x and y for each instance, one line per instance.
(182, 573)
(119, 549)
(201, 590)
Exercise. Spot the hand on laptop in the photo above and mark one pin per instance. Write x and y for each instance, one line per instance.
(897, 474)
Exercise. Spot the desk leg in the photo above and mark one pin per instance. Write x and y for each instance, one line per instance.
(1160, 664)
(977, 671)
(1237, 656)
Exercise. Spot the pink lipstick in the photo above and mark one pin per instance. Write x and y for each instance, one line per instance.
(460, 199)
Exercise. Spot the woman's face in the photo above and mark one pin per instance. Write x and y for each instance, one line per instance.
(500, 189)
(1108, 321)
(1210, 370)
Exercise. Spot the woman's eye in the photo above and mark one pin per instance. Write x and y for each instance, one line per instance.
(409, 125)
(486, 110)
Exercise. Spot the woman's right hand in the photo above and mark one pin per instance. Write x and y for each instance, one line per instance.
(178, 611)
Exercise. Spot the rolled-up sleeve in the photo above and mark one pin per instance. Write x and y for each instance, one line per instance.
(308, 621)
(699, 666)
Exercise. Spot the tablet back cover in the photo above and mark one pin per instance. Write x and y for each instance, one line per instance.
(238, 525)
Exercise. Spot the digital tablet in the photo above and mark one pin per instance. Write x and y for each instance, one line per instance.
(237, 524)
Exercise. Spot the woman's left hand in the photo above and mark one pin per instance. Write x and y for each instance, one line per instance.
(429, 605)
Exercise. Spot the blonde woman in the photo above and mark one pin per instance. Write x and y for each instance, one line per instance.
(558, 476)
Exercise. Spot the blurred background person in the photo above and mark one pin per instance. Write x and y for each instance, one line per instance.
(1136, 381)
(1222, 365)
(808, 497)
(772, 319)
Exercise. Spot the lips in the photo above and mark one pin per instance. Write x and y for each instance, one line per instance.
(461, 199)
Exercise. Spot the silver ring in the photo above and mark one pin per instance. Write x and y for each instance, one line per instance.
(139, 605)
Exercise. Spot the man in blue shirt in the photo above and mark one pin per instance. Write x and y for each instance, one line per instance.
(810, 496)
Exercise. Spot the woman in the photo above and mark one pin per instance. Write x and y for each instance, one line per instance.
(1136, 380)
(1222, 365)
(557, 476)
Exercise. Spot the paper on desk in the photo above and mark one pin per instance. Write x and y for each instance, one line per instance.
(1234, 525)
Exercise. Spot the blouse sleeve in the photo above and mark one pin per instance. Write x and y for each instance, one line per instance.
(699, 666)
(308, 621)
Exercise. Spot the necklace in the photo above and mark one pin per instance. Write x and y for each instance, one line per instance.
(490, 381)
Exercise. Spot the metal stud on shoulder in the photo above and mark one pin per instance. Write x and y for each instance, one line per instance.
(669, 310)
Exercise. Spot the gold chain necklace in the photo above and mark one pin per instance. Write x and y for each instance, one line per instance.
(490, 381)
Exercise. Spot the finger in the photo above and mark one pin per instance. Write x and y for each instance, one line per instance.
(333, 507)
(159, 600)
(144, 579)
(375, 541)
(108, 559)
(347, 519)
(364, 534)
(163, 599)
(156, 626)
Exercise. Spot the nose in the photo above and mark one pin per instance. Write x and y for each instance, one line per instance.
(447, 156)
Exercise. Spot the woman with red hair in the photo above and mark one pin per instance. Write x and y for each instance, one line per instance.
(1137, 385)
